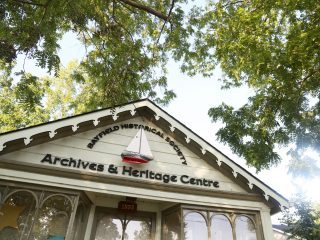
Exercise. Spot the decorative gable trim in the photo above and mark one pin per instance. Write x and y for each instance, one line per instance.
(27, 134)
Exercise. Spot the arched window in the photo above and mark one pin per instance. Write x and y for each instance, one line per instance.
(245, 228)
(53, 218)
(221, 228)
(195, 227)
(202, 224)
(16, 215)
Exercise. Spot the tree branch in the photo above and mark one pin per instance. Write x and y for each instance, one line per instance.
(147, 9)
(309, 75)
(30, 3)
(232, 3)
(128, 8)
(302, 81)
(45, 11)
(171, 8)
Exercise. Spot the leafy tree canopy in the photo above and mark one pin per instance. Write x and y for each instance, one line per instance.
(271, 46)
(302, 220)
(122, 39)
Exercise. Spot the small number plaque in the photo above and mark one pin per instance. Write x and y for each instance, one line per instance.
(125, 206)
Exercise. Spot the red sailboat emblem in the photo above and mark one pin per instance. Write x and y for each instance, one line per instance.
(138, 151)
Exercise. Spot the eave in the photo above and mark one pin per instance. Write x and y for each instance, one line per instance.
(30, 136)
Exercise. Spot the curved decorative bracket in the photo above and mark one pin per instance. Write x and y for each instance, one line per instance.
(219, 162)
(27, 140)
(187, 139)
(75, 127)
(250, 184)
(52, 133)
(235, 174)
(115, 116)
(2, 146)
(133, 112)
(172, 128)
(203, 150)
(157, 117)
(96, 122)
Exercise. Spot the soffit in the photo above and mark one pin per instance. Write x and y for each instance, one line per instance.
(27, 137)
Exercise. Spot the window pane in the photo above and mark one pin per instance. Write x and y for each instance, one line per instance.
(245, 229)
(108, 228)
(195, 227)
(16, 216)
(53, 219)
(172, 226)
(139, 230)
(221, 228)
(120, 227)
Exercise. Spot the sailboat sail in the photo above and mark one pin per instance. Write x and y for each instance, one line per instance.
(138, 151)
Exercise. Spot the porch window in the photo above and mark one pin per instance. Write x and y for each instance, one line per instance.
(210, 224)
(245, 228)
(31, 213)
(53, 218)
(110, 224)
(221, 228)
(195, 226)
(16, 214)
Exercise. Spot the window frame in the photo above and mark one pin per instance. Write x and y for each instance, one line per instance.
(211, 216)
(41, 194)
(100, 209)
(204, 214)
(230, 213)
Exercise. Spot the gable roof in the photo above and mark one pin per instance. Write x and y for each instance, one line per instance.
(30, 136)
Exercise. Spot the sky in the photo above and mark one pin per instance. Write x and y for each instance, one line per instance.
(195, 96)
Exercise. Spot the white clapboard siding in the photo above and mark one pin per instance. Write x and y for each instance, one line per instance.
(104, 145)
(108, 151)
(33, 157)
(162, 151)
(119, 138)
(125, 132)
(121, 143)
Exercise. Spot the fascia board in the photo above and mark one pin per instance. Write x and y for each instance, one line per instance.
(236, 169)
(73, 122)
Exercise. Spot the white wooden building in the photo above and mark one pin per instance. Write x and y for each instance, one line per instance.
(66, 179)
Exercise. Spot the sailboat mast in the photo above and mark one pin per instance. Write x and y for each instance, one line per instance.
(140, 140)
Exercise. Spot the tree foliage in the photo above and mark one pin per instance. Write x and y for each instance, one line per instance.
(271, 46)
(20, 104)
(302, 220)
(120, 36)
(303, 166)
